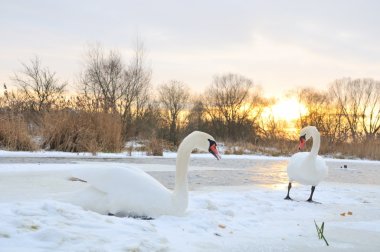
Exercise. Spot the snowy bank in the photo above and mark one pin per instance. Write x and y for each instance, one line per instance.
(225, 219)
(253, 217)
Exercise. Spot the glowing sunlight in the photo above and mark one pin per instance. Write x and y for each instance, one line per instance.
(288, 109)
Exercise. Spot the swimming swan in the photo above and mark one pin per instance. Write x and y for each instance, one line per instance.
(130, 191)
(307, 167)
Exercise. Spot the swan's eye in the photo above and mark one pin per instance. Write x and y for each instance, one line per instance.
(212, 142)
(303, 137)
(213, 150)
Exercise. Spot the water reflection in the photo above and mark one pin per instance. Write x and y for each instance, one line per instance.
(265, 173)
(205, 172)
(270, 174)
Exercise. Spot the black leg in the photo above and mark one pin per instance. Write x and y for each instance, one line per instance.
(311, 195)
(289, 187)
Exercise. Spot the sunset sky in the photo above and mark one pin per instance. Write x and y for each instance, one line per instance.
(280, 45)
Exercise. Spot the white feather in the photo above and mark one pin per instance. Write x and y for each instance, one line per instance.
(131, 191)
(307, 167)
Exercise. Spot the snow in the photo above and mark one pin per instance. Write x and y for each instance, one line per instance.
(243, 217)
(141, 154)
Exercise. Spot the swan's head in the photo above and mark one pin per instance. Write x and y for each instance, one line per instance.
(305, 135)
(206, 142)
(213, 149)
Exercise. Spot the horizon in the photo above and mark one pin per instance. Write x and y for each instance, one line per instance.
(279, 45)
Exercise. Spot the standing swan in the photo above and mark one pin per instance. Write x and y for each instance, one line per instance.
(307, 167)
(132, 192)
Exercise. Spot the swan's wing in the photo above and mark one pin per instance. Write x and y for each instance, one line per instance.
(126, 190)
(297, 160)
(322, 166)
(88, 198)
(118, 179)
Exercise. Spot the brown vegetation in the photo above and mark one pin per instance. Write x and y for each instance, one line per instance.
(74, 131)
(14, 134)
(370, 150)
(117, 103)
(155, 147)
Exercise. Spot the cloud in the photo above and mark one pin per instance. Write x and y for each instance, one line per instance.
(279, 44)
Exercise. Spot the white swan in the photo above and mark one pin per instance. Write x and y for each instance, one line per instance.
(132, 192)
(307, 167)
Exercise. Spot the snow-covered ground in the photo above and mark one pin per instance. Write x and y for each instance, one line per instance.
(236, 205)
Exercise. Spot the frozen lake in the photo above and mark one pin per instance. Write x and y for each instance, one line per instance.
(236, 204)
(205, 171)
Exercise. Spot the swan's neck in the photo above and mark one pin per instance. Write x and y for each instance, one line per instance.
(182, 163)
(180, 193)
(316, 144)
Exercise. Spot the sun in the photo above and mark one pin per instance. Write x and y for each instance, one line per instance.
(287, 109)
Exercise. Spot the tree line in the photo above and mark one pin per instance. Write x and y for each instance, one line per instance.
(119, 98)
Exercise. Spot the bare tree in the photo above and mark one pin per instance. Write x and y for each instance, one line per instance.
(39, 85)
(316, 103)
(173, 96)
(358, 101)
(102, 78)
(116, 87)
(322, 113)
(348, 96)
(196, 117)
(370, 108)
(136, 83)
(232, 102)
(272, 129)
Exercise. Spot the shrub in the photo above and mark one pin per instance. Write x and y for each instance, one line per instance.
(369, 149)
(14, 134)
(82, 132)
(155, 147)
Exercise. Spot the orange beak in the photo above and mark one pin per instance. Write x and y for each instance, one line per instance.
(302, 143)
(214, 151)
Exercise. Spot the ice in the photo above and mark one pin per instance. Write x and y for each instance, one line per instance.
(236, 204)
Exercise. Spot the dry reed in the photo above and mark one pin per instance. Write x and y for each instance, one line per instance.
(155, 147)
(82, 132)
(286, 147)
(14, 134)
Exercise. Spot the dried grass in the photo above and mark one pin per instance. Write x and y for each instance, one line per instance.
(82, 132)
(369, 150)
(365, 150)
(156, 146)
(14, 134)
(272, 148)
